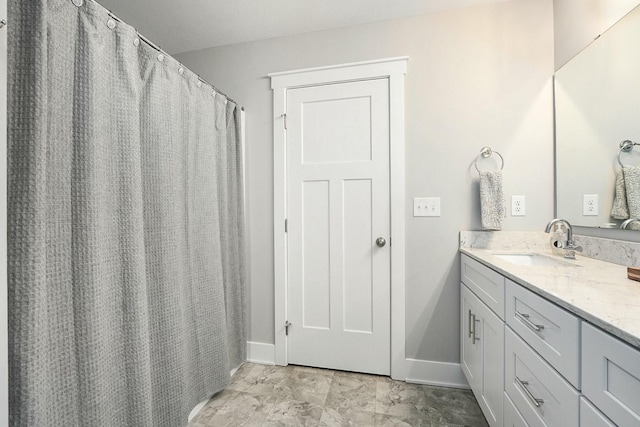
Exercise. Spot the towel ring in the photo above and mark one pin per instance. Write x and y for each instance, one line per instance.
(485, 153)
(625, 146)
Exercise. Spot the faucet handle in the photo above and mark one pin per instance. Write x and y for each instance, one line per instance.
(572, 246)
(570, 250)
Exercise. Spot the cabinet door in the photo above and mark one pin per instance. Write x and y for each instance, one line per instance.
(490, 330)
(482, 354)
(470, 355)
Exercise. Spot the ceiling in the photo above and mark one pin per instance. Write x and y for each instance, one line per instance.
(185, 25)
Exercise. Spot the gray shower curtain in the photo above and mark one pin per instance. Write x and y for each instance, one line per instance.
(126, 269)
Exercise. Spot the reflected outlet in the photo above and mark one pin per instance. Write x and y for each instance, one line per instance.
(590, 205)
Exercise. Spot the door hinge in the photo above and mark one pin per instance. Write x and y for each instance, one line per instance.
(287, 324)
(286, 225)
(285, 120)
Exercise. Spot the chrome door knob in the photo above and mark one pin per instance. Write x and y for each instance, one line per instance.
(380, 241)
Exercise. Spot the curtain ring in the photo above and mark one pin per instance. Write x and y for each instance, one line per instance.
(77, 3)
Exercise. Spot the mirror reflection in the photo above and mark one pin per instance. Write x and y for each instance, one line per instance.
(597, 101)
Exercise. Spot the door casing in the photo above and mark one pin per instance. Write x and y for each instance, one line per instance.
(394, 70)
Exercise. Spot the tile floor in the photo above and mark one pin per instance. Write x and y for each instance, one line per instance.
(260, 395)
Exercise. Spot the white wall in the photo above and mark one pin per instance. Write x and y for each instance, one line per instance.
(578, 22)
(478, 76)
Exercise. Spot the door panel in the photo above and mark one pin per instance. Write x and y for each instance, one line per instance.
(337, 205)
(328, 123)
(358, 274)
(316, 264)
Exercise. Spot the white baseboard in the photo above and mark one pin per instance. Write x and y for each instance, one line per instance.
(262, 353)
(427, 372)
(435, 373)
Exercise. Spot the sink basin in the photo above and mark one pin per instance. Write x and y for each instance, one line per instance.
(534, 259)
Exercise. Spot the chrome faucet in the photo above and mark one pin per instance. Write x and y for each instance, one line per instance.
(628, 222)
(569, 247)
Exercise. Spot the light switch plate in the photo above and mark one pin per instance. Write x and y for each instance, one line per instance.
(426, 206)
(518, 206)
(590, 205)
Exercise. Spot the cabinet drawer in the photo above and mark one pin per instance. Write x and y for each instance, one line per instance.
(553, 332)
(611, 376)
(512, 417)
(528, 377)
(591, 417)
(484, 282)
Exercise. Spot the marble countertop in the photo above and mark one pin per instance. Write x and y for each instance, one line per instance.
(597, 291)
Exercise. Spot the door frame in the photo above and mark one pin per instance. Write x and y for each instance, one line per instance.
(393, 69)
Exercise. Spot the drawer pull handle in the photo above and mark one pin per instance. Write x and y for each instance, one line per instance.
(529, 323)
(474, 329)
(534, 400)
(470, 332)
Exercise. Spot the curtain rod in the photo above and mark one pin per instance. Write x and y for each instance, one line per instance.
(159, 49)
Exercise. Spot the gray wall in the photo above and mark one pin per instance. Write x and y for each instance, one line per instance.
(477, 76)
(578, 22)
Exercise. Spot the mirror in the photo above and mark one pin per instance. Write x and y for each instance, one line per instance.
(597, 103)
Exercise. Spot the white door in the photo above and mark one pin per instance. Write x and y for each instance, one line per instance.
(337, 207)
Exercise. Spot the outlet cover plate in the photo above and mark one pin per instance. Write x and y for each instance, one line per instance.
(426, 206)
(518, 206)
(590, 205)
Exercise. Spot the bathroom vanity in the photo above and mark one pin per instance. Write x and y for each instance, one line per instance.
(547, 341)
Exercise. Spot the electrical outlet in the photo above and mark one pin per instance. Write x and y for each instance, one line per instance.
(518, 206)
(590, 205)
(426, 206)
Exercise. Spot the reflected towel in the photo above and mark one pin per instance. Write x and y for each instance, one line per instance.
(620, 209)
(492, 205)
(632, 190)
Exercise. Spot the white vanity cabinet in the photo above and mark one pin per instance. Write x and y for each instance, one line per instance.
(482, 337)
(532, 362)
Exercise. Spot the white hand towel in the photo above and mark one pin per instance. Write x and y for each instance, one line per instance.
(620, 209)
(492, 205)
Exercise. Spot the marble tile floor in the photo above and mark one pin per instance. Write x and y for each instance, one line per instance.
(260, 395)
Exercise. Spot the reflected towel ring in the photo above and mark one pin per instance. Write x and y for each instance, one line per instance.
(485, 153)
(625, 146)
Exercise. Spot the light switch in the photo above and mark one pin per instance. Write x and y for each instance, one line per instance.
(426, 206)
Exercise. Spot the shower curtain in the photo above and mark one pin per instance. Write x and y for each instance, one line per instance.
(126, 269)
